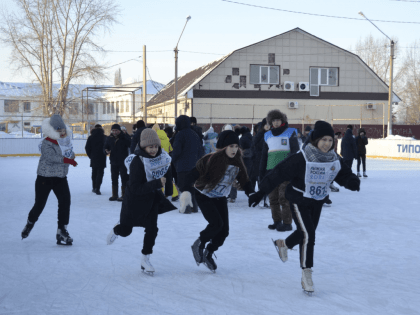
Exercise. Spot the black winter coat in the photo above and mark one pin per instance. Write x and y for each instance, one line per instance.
(294, 147)
(95, 148)
(293, 169)
(188, 148)
(246, 141)
(199, 131)
(256, 148)
(348, 146)
(136, 139)
(119, 148)
(361, 142)
(140, 194)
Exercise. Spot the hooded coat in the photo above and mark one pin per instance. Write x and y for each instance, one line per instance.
(188, 147)
(361, 142)
(348, 146)
(140, 194)
(136, 139)
(118, 146)
(94, 148)
(164, 140)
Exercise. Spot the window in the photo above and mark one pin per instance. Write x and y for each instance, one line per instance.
(11, 106)
(73, 108)
(91, 109)
(26, 124)
(2, 127)
(108, 108)
(117, 107)
(127, 106)
(235, 71)
(322, 76)
(264, 74)
(27, 107)
(104, 108)
(112, 107)
(271, 58)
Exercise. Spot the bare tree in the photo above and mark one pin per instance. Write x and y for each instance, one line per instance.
(55, 40)
(118, 77)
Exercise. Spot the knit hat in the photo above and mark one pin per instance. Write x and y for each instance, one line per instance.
(156, 127)
(322, 128)
(193, 120)
(308, 128)
(149, 137)
(57, 122)
(98, 126)
(116, 126)
(227, 138)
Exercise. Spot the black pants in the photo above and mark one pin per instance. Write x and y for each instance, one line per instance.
(306, 220)
(117, 170)
(215, 211)
(43, 187)
(233, 193)
(150, 231)
(361, 158)
(97, 176)
(349, 163)
(181, 177)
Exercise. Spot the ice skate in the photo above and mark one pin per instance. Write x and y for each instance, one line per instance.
(63, 237)
(197, 249)
(27, 229)
(364, 174)
(281, 248)
(358, 174)
(146, 266)
(208, 261)
(327, 203)
(334, 188)
(111, 237)
(307, 284)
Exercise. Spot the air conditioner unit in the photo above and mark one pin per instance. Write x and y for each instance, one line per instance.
(289, 86)
(304, 86)
(370, 106)
(293, 105)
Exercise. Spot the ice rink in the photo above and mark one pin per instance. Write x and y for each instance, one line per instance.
(366, 255)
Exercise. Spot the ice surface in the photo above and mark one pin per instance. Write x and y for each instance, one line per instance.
(366, 254)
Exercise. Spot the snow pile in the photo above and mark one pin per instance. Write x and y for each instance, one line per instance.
(398, 137)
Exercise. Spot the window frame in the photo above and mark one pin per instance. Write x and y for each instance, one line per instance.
(25, 110)
(14, 106)
(320, 78)
(268, 74)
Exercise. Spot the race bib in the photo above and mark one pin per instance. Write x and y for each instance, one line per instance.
(223, 188)
(155, 168)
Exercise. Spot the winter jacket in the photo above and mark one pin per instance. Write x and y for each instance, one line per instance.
(188, 147)
(136, 139)
(140, 194)
(119, 148)
(210, 140)
(246, 141)
(199, 131)
(265, 163)
(164, 141)
(293, 169)
(51, 162)
(257, 147)
(361, 142)
(348, 146)
(95, 148)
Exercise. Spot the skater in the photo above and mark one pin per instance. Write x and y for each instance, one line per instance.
(348, 147)
(310, 172)
(56, 156)
(150, 170)
(117, 146)
(361, 142)
(94, 150)
(280, 142)
(212, 178)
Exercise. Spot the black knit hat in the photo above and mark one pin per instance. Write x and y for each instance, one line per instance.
(308, 128)
(322, 128)
(116, 126)
(193, 120)
(227, 138)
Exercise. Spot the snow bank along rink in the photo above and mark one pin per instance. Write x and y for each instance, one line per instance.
(366, 254)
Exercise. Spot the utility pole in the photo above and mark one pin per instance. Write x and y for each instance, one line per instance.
(144, 89)
(391, 81)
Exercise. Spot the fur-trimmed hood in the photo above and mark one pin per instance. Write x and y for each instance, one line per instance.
(276, 114)
(48, 130)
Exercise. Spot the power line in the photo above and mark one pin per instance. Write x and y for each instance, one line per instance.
(314, 14)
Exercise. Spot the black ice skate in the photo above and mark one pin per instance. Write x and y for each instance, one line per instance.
(197, 249)
(208, 261)
(27, 229)
(63, 237)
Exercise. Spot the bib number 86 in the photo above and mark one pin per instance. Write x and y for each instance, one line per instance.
(318, 190)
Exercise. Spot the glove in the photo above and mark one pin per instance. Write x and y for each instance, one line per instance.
(255, 198)
(354, 184)
(184, 201)
(70, 161)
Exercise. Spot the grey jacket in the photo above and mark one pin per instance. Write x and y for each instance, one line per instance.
(51, 162)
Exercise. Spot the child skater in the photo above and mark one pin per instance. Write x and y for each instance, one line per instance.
(310, 172)
(56, 156)
(213, 177)
(150, 170)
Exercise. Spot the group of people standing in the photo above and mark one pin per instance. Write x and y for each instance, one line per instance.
(206, 168)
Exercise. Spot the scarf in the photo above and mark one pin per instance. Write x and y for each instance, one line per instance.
(65, 144)
(314, 154)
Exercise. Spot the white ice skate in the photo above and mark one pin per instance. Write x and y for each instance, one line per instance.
(281, 248)
(111, 237)
(307, 284)
(146, 266)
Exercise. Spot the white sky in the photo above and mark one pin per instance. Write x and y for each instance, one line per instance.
(218, 27)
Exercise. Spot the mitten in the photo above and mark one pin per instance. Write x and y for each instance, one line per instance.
(255, 198)
(70, 161)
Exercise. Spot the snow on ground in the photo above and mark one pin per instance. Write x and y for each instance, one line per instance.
(366, 254)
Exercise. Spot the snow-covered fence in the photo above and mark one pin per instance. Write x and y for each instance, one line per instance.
(29, 147)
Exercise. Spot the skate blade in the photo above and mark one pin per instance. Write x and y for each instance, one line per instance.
(149, 273)
(64, 244)
(198, 263)
(308, 293)
(213, 271)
